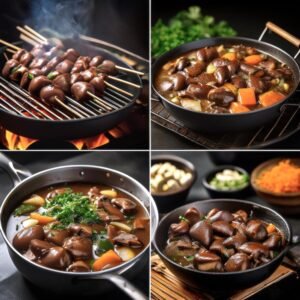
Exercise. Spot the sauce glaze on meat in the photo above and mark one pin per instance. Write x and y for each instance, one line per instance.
(106, 227)
(224, 79)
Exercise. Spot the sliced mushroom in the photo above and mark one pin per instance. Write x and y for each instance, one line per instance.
(223, 228)
(179, 228)
(274, 241)
(126, 205)
(199, 91)
(237, 262)
(238, 82)
(195, 69)
(81, 229)
(181, 248)
(23, 238)
(256, 83)
(112, 232)
(127, 239)
(56, 236)
(202, 231)
(235, 241)
(193, 215)
(241, 215)
(255, 249)
(181, 63)
(221, 97)
(207, 261)
(39, 247)
(113, 211)
(56, 258)
(80, 247)
(207, 54)
(218, 247)
(222, 74)
(205, 78)
(79, 266)
(256, 230)
(179, 81)
(220, 215)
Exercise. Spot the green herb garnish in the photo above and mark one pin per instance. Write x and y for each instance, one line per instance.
(30, 76)
(24, 209)
(187, 26)
(52, 75)
(189, 258)
(182, 218)
(15, 69)
(103, 243)
(70, 207)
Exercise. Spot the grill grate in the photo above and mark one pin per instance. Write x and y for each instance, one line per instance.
(18, 101)
(284, 126)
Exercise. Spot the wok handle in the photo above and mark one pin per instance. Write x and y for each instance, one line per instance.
(123, 284)
(284, 34)
(14, 172)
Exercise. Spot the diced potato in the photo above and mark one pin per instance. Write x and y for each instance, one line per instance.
(210, 69)
(154, 169)
(109, 193)
(29, 223)
(191, 104)
(35, 200)
(125, 253)
(121, 226)
(185, 179)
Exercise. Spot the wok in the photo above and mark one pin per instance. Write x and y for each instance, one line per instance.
(221, 123)
(223, 283)
(62, 281)
(76, 128)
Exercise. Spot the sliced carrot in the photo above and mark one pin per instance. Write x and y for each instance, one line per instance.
(236, 108)
(230, 87)
(270, 98)
(246, 96)
(230, 56)
(253, 59)
(108, 259)
(43, 220)
(271, 228)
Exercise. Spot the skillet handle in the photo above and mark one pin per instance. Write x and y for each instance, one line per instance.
(123, 284)
(284, 34)
(14, 171)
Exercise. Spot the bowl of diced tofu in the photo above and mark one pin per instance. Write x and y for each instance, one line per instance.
(171, 178)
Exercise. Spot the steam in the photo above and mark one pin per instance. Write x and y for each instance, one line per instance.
(65, 18)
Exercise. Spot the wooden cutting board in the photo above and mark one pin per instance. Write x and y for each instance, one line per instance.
(165, 285)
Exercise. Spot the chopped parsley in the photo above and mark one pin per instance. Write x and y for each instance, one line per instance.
(70, 207)
(182, 218)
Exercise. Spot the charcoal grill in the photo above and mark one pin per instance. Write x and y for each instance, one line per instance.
(27, 116)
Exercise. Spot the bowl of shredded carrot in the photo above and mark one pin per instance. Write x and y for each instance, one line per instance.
(278, 181)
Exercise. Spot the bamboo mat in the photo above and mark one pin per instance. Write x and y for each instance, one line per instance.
(165, 285)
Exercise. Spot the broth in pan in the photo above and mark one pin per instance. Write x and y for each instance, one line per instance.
(224, 79)
(79, 227)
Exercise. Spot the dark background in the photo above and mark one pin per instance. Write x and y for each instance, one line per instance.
(124, 23)
(248, 19)
(205, 162)
(135, 164)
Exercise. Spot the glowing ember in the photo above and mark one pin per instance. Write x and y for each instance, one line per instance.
(13, 141)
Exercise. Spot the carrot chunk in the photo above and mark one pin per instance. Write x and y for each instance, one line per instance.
(43, 220)
(270, 98)
(253, 59)
(236, 108)
(271, 228)
(246, 96)
(108, 259)
(230, 56)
